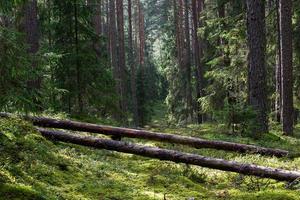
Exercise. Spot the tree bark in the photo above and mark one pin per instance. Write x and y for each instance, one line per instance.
(141, 48)
(221, 15)
(30, 28)
(170, 138)
(174, 156)
(286, 43)
(113, 52)
(189, 108)
(133, 77)
(256, 61)
(95, 6)
(78, 62)
(107, 24)
(198, 56)
(121, 61)
(278, 100)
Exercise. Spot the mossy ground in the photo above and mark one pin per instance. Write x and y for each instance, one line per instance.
(33, 168)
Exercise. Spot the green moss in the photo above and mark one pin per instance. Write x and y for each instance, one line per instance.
(18, 192)
(30, 165)
(265, 195)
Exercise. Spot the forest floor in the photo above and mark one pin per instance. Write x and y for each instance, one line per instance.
(32, 168)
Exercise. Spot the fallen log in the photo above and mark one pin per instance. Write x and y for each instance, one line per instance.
(171, 155)
(142, 134)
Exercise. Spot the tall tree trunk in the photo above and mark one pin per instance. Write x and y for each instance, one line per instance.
(95, 6)
(78, 63)
(181, 56)
(256, 61)
(180, 36)
(107, 25)
(113, 50)
(286, 43)
(31, 27)
(132, 66)
(121, 61)
(188, 77)
(278, 100)
(31, 30)
(198, 55)
(141, 24)
(221, 15)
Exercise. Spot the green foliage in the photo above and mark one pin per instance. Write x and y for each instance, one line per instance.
(64, 72)
(12, 132)
(19, 192)
(7, 6)
(297, 53)
(226, 72)
(66, 67)
(238, 117)
(15, 72)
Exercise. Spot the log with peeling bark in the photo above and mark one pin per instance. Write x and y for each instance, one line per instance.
(171, 155)
(142, 134)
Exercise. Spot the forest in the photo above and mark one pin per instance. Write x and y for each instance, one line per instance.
(149, 99)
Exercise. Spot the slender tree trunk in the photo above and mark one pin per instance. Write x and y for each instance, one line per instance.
(181, 55)
(49, 7)
(107, 25)
(78, 63)
(198, 56)
(31, 30)
(256, 61)
(188, 77)
(136, 30)
(180, 36)
(121, 61)
(95, 6)
(113, 50)
(30, 27)
(132, 66)
(278, 100)
(286, 43)
(142, 41)
(221, 14)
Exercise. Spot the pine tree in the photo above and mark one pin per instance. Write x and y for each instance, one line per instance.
(133, 75)
(121, 54)
(31, 30)
(197, 8)
(286, 45)
(256, 62)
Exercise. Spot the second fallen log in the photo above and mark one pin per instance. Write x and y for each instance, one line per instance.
(174, 156)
